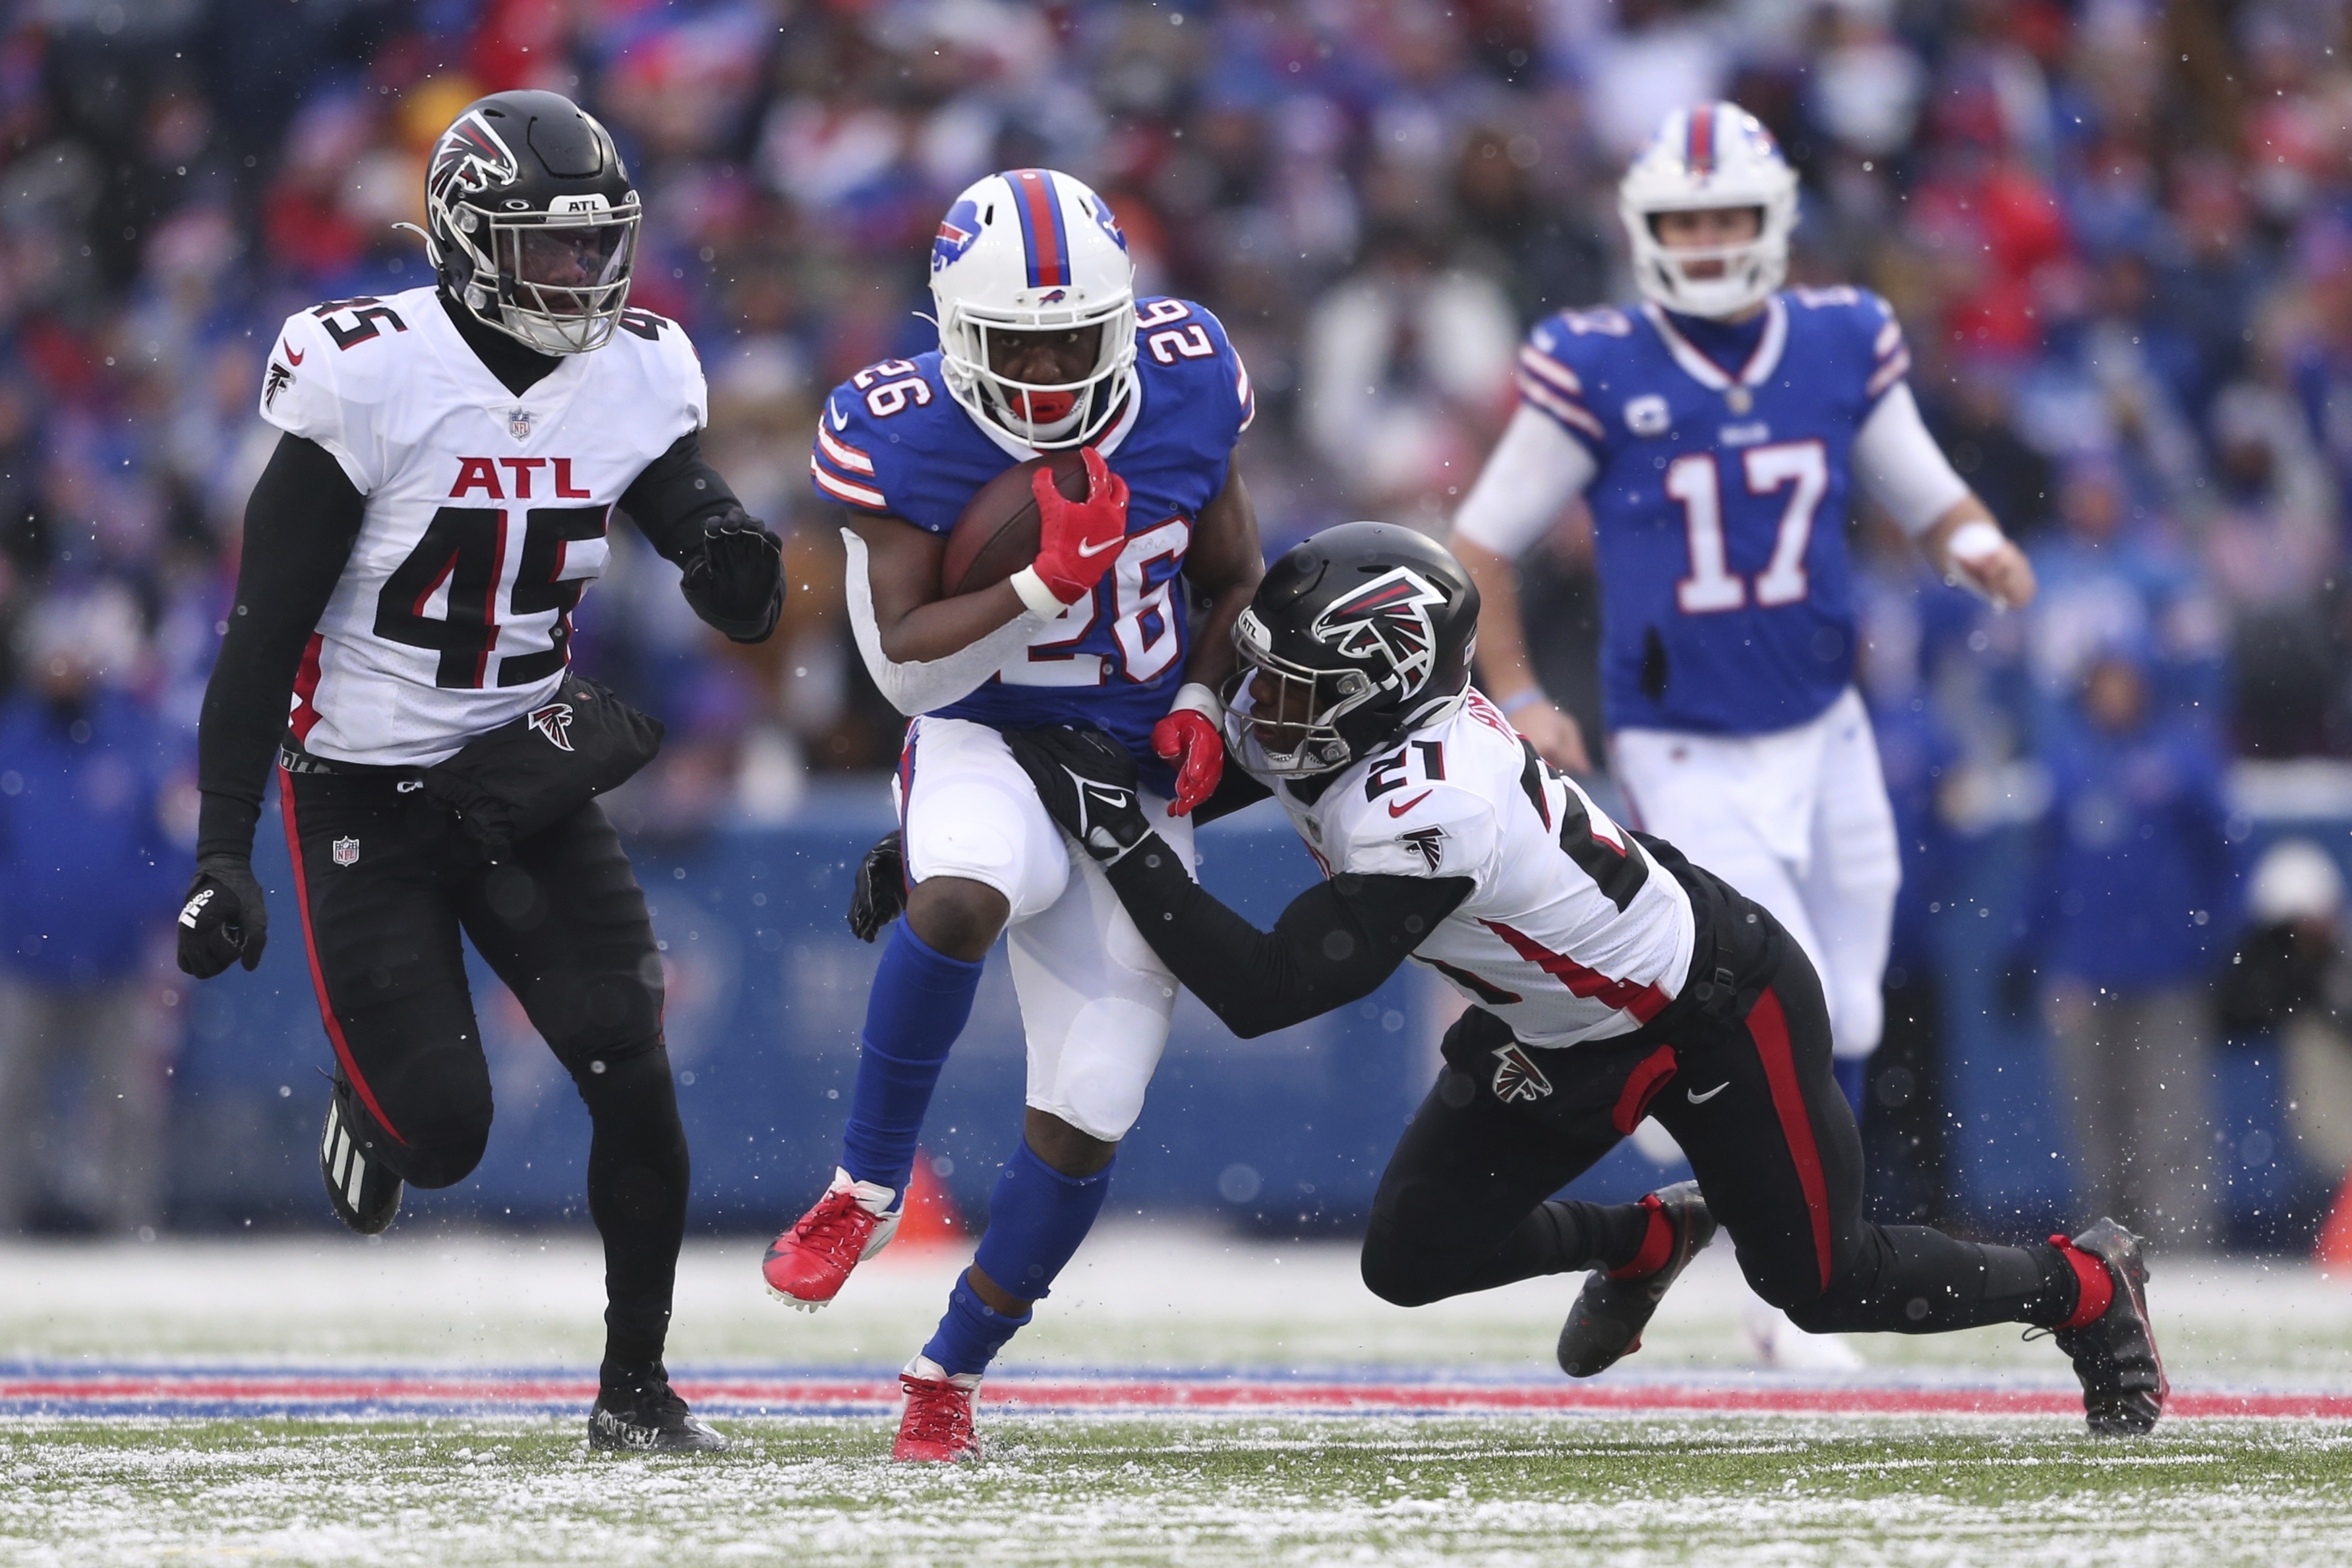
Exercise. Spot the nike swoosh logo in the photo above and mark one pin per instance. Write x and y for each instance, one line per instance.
(1695, 1098)
(1398, 808)
(1106, 544)
(839, 424)
(291, 356)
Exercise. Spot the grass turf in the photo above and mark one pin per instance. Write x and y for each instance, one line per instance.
(1059, 1490)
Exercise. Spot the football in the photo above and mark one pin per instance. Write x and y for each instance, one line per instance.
(997, 533)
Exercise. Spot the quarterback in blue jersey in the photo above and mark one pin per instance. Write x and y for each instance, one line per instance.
(1042, 347)
(1718, 430)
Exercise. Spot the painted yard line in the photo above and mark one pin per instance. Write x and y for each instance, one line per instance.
(63, 1393)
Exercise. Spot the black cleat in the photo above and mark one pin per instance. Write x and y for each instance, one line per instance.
(644, 1415)
(2115, 1355)
(362, 1193)
(1609, 1314)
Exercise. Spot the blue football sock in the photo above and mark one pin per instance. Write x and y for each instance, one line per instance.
(919, 1005)
(971, 1332)
(1036, 1217)
(1852, 1072)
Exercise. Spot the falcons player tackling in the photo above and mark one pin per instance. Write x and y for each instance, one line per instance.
(1042, 347)
(1610, 979)
(412, 557)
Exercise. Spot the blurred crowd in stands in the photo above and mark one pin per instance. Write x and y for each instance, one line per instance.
(2119, 234)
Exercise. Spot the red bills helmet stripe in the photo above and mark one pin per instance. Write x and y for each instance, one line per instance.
(1042, 237)
(1701, 151)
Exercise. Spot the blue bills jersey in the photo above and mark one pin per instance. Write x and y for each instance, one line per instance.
(1720, 509)
(892, 442)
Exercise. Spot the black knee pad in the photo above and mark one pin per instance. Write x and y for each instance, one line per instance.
(440, 1142)
(1399, 1275)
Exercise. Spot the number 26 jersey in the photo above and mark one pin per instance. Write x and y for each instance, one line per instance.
(487, 513)
(890, 442)
(1719, 507)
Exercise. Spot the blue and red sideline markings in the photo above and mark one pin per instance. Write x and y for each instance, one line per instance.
(228, 1391)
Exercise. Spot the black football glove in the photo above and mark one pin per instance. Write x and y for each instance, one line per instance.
(222, 919)
(880, 893)
(1087, 783)
(736, 581)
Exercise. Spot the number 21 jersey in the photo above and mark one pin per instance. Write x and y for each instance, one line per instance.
(487, 513)
(1720, 509)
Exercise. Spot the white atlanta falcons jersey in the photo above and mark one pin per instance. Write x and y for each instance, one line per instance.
(487, 513)
(1571, 931)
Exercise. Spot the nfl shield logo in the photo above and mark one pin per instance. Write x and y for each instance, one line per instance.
(518, 424)
(347, 851)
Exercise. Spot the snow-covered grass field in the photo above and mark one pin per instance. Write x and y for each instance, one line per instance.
(483, 1484)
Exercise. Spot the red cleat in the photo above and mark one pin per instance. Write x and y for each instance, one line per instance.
(935, 1426)
(807, 1265)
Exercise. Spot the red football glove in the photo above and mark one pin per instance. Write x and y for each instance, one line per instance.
(1077, 541)
(1189, 738)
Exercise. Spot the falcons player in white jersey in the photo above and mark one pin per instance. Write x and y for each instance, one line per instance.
(1611, 980)
(412, 557)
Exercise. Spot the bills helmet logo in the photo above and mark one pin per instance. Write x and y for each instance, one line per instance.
(1429, 843)
(554, 722)
(956, 232)
(1109, 223)
(470, 159)
(1516, 1076)
(1388, 617)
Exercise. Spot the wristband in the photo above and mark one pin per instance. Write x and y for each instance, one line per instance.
(1193, 695)
(1974, 540)
(1035, 594)
(1514, 703)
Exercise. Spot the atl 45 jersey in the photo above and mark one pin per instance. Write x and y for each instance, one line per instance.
(1719, 507)
(892, 442)
(487, 513)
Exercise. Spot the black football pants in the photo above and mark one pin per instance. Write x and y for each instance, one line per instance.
(1747, 1093)
(387, 881)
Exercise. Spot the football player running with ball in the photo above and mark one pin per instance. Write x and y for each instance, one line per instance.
(400, 648)
(1609, 977)
(1717, 431)
(1044, 348)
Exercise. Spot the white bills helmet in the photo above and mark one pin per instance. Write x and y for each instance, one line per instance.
(1713, 155)
(1031, 250)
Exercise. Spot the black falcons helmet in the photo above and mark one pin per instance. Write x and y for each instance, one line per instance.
(1365, 630)
(531, 220)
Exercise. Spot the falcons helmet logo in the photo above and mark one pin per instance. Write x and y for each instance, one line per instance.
(554, 722)
(1388, 616)
(470, 159)
(280, 378)
(1429, 843)
(1517, 1077)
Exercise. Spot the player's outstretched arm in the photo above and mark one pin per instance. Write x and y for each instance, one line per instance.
(1504, 671)
(1898, 463)
(1534, 472)
(1335, 944)
(1224, 563)
(300, 525)
(731, 564)
(1967, 546)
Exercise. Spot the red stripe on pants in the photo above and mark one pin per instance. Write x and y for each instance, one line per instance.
(318, 976)
(1767, 1026)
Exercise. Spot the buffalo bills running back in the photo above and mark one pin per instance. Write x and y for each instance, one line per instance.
(1716, 431)
(1042, 347)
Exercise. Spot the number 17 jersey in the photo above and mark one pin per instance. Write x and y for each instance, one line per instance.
(485, 519)
(1719, 507)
